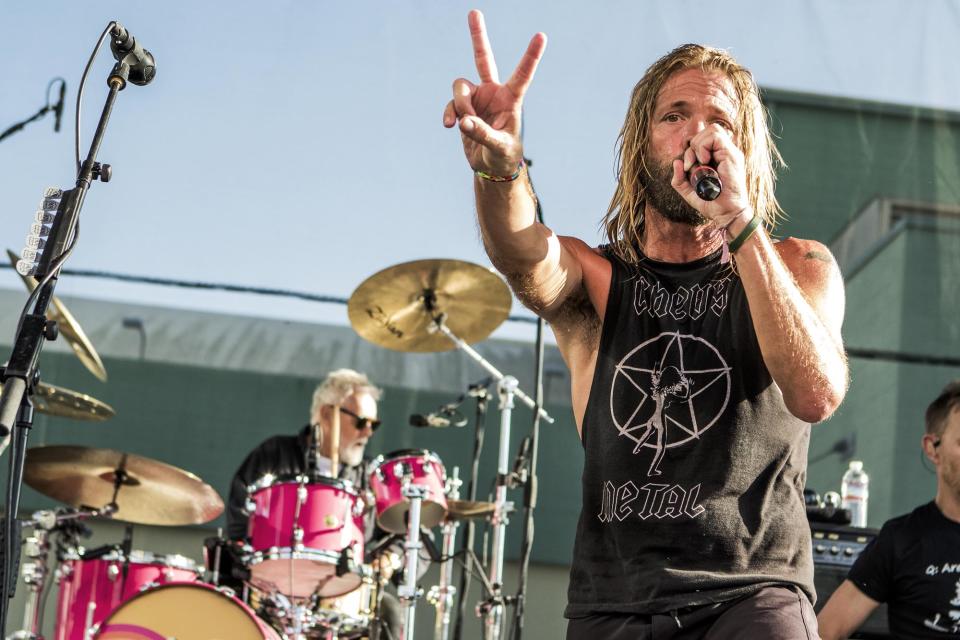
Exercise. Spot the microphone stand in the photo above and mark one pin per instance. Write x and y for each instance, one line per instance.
(530, 483)
(481, 393)
(21, 376)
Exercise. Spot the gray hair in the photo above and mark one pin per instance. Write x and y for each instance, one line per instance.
(340, 385)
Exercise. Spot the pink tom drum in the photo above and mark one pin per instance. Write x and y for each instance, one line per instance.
(91, 588)
(185, 611)
(301, 533)
(417, 466)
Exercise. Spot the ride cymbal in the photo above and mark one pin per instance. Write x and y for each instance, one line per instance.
(147, 491)
(396, 307)
(69, 328)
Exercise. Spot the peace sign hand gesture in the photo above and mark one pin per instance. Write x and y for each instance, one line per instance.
(489, 112)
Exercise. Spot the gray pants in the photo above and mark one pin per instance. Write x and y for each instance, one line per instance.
(773, 613)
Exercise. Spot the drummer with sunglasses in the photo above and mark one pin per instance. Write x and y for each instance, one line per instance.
(310, 452)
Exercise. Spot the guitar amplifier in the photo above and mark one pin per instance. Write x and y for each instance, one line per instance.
(835, 549)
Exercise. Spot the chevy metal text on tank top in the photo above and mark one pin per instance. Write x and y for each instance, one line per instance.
(694, 468)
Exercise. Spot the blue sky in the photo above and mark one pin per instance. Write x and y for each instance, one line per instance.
(299, 145)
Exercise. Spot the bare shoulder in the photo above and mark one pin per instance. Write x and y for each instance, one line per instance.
(577, 321)
(595, 271)
(818, 276)
(810, 262)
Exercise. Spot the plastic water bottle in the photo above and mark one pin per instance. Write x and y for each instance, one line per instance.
(854, 493)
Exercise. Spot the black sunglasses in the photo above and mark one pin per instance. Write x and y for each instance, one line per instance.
(362, 423)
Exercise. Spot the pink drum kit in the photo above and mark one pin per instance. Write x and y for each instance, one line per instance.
(308, 573)
(305, 552)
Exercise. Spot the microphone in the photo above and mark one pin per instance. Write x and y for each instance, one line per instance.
(127, 50)
(430, 420)
(706, 181)
(58, 108)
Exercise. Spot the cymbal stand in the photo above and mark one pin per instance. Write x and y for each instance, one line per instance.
(439, 324)
(408, 592)
(441, 595)
(508, 388)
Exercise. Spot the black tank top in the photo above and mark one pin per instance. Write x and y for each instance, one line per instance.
(694, 468)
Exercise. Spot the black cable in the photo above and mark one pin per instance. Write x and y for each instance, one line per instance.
(83, 80)
(530, 486)
(219, 286)
(44, 110)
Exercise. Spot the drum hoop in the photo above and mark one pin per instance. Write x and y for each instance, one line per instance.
(289, 553)
(141, 557)
(105, 625)
(271, 480)
(404, 453)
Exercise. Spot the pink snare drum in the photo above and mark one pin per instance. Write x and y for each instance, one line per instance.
(185, 611)
(423, 468)
(299, 534)
(91, 588)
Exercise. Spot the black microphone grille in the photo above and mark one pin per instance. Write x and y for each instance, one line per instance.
(417, 420)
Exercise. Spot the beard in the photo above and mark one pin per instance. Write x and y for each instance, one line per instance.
(351, 455)
(661, 195)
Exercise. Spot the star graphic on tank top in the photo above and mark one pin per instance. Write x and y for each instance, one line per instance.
(670, 400)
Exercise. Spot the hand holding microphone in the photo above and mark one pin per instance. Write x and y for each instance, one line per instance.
(705, 181)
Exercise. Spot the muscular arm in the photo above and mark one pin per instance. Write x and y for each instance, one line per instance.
(794, 288)
(795, 293)
(539, 267)
(844, 612)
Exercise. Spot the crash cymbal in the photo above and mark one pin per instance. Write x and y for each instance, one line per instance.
(69, 328)
(57, 401)
(463, 509)
(394, 308)
(151, 492)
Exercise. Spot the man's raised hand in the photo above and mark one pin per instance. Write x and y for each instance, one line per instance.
(489, 113)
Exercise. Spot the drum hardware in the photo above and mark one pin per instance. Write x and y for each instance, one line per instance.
(35, 573)
(441, 596)
(69, 327)
(409, 593)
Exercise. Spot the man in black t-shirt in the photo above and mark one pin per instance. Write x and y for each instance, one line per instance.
(914, 564)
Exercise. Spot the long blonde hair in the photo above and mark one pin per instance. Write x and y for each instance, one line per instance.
(623, 222)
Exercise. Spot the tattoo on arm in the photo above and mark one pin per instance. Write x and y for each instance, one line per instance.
(819, 255)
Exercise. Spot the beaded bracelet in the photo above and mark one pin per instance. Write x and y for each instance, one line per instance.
(490, 178)
(744, 235)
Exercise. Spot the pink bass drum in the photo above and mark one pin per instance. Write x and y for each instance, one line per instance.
(419, 467)
(301, 533)
(91, 588)
(185, 611)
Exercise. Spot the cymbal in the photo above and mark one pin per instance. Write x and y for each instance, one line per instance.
(151, 492)
(395, 307)
(69, 328)
(464, 509)
(58, 401)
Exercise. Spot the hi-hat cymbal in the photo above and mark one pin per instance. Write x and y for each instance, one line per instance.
(463, 509)
(69, 328)
(151, 492)
(396, 307)
(58, 401)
